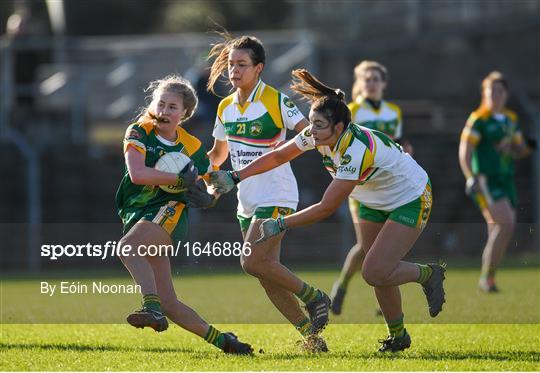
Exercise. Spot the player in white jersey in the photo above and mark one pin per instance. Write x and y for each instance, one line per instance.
(370, 110)
(250, 123)
(368, 166)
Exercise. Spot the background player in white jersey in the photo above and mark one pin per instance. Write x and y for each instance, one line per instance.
(369, 167)
(368, 109)
(249, 123)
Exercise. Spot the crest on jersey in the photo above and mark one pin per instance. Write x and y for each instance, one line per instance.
(328, 163)
(283, 211)
(170, 211)
(255, 129)
(345, 160)
(287, 102)
(134, 134)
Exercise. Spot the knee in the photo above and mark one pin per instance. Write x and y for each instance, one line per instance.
(357, 249)
(252, 267)
(130, 243)
(509, 223)
(374, 276)
(121, 243)
(506, 224)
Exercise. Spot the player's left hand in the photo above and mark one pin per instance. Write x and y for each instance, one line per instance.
(198, 197)
(270, 228)
(224, 181)
(188, 176)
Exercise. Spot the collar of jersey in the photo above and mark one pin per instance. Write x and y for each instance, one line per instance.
(336, 147)
(362, 102)
(168, 142)
(253, 96)
(488, 113)
(503, 114)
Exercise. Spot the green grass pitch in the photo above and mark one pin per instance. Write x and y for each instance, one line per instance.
(474, 332)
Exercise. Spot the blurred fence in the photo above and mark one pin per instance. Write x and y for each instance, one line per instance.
(61, 155)
(100, 79)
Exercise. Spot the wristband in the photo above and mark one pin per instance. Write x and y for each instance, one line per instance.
(281, 223)
(235, 176)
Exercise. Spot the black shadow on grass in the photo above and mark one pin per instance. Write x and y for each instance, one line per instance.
(531, 356)
(86, 348)
(521, 356)
(478, 355)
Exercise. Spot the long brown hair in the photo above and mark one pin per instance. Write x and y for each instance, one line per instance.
(220, 54)
(328, 101)
(176, 85)
(361, 69)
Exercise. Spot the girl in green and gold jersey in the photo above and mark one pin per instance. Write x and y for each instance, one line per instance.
(490, 142)
(152, 216)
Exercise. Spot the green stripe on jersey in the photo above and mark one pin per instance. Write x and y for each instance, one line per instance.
(388, 127)
(258, 129)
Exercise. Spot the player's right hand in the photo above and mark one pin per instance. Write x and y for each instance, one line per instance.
(472, 186)
(187, 176)
(223, 181)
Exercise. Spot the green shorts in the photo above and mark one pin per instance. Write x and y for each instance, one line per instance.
(413, 214)
(263, 213)
(171, 216)
(496, 189)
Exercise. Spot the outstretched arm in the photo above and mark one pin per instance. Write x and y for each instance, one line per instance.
(338, 191)
(224, 181)
(271, 160)
(335, 194)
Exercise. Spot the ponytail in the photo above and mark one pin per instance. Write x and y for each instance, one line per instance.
(330, 102)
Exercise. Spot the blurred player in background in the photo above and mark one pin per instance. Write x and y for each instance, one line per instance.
(369, 110)
(490, 142)
(366, 165)
(249, 123)
(152, 216)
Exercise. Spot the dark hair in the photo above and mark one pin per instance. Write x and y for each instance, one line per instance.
(328, 101)
(221, 51)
